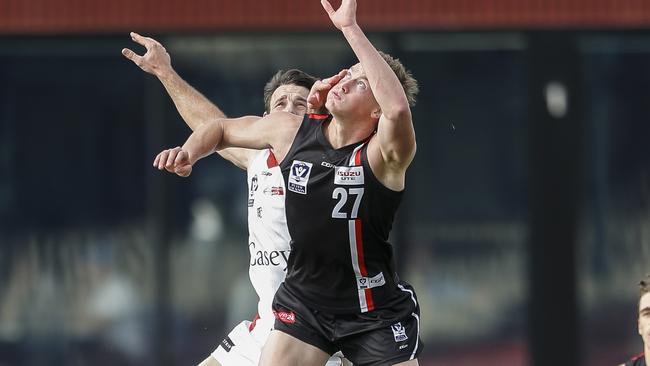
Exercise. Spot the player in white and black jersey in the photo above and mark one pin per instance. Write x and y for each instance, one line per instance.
(344, 177)
(268, 234)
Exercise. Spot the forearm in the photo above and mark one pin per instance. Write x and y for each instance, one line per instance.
(385, 85)
(204, 140)
(193, 106)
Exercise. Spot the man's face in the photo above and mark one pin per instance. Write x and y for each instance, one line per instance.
(352, 95)
(289, 98)
(644, 319)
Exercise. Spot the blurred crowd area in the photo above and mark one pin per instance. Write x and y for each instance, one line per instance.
(104, 260)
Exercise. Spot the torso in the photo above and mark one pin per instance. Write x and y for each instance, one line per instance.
(339, 218)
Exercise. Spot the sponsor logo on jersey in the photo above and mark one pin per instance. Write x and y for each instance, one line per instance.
(327, 165)
(259, 212)
(254, 185)
(253, 188)
(299, 176)
(371, 282)
(348, 175)
(227, 344)
(274, 191)
(285, 317)
(266, 173)
(399, 332)
(273, 258)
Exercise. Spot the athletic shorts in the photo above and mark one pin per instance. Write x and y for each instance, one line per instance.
(380, 337)
(240, 348)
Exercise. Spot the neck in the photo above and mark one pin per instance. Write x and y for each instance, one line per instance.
(646, 350)
(341, 133)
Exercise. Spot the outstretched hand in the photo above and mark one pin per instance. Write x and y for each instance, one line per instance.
(344, 16)
(318, 93)
(175, 161)
(155, 61)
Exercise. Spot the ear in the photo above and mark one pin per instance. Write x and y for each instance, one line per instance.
(376, 113)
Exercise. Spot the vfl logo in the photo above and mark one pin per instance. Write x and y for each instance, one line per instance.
(299, 176)
(288, 318)
(371, 282)
(399, 332)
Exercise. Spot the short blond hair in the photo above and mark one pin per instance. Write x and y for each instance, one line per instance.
(409, 84)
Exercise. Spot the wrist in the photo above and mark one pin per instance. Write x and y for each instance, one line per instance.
(351, 29)
(166, 74)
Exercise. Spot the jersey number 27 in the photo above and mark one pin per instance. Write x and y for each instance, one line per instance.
(341, 194)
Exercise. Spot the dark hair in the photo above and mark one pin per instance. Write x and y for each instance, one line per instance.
(409, 84)
(644, 286)
(289, 77)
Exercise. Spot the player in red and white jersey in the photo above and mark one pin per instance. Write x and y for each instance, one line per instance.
(268, 234)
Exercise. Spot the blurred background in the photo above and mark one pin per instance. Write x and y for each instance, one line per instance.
(526, 223)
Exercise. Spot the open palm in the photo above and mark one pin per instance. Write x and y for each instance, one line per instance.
(344, 16)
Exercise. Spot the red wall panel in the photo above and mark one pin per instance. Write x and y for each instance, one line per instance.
(82, 16)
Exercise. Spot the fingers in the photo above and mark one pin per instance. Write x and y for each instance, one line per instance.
(131, 55)
(174, 160)
(170, 164)
(333, 80)
(327, 6)
(166, 159)
(139, 39)
(147, 42)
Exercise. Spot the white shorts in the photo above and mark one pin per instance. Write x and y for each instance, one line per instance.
(240, 348)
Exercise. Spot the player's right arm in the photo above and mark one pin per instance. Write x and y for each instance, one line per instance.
(276, 130)
(194, 107)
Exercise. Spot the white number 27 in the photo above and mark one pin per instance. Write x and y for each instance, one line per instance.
(341, 194)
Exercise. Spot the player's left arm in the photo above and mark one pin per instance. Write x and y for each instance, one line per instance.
(395, 132)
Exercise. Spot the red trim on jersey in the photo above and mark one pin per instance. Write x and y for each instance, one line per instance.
(252, 325)
(357, 157)
(318, 116)
(271, 161)
(635, 358)
(362, 263)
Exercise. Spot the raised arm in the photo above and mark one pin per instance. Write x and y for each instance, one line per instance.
(194, 107)
(395, 133)
(275, 130)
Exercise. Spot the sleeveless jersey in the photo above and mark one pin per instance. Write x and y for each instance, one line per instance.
(339, 218)
(268, 235)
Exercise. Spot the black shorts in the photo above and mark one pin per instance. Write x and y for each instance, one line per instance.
(380, 337)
